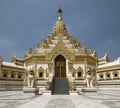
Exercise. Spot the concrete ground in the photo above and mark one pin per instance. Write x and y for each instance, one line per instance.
(18, 99)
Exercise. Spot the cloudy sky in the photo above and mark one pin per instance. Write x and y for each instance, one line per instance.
(24, 22)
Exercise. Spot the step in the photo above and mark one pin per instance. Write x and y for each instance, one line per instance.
(60, 86)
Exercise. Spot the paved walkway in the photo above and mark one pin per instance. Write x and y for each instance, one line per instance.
(13, 99)
(60, 103)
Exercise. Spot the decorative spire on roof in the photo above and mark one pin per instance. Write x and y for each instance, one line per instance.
(60, 14)
(59, 27)
(13, 58)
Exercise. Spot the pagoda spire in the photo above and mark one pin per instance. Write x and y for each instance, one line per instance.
(60, 14)
(59, 27)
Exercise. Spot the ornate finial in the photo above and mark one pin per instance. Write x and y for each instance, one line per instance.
(37, 45)
(60, 14)
(83, 45)
(59, 27)
(90, 51)
(60, 10)
(14, 58)
(30, 51)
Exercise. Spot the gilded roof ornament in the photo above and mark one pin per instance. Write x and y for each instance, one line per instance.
(13, 58)
(59, 27)
(60, 14)
(30, 51)
(37, 45)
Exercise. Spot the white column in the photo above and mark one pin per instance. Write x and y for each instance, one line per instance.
(67, 68)
(0, 73)
(98, 76)
(37, 71)
(104, 76)
(44, 74)
(0, 69)
(111, 76)
(75, 75)
(23, 75)
(16, 75)
(9, 74)
(119, 74)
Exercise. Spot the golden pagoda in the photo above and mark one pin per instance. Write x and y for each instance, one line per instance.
(61, 56)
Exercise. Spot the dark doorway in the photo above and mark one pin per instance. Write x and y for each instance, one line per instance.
(60, 67)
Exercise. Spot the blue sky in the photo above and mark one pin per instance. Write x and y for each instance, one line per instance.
(24, 22)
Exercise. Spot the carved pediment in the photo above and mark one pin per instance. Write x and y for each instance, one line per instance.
(79, 69)
(60, 48)
(41, 69)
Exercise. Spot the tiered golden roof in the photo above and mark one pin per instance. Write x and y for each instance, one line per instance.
(59, 27)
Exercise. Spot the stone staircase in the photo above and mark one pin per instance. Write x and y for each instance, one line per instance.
(41, 84)
(60, 86)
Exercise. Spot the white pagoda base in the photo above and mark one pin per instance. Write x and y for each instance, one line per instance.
(31, 90)
(89, 90)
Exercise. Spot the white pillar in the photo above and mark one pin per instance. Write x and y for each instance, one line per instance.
(111, 75)
(75, 75)
(67, 68)
(9, 74)
(0, 69)
(98, 76)
(104, 76)
(37, 71)
(44, 74)
(119, 74)
(16, 75)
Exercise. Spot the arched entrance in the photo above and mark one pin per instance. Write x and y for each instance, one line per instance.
(60, 67)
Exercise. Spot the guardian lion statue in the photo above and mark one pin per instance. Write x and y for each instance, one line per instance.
(89, 79)
(30, 80)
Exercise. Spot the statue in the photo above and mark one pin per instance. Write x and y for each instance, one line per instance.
(89, 79)
(30, 80)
